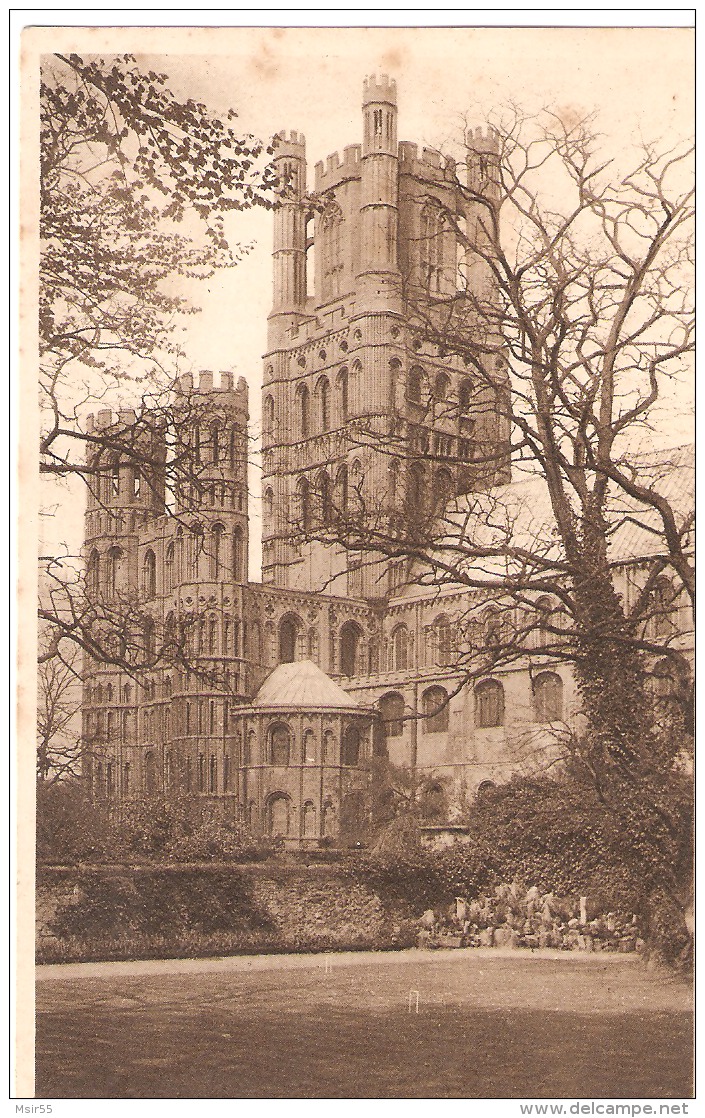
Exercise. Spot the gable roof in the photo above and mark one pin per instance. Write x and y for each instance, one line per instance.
(303, 684)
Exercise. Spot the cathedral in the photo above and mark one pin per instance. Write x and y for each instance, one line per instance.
(271, 700)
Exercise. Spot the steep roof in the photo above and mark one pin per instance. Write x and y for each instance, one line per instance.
(302, 684)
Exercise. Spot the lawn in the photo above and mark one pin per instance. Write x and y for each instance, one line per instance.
(487, 1027)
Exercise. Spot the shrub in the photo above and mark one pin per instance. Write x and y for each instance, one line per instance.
(70, 828)
(157, 900)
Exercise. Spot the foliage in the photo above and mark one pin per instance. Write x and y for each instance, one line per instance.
(155, 901)
(124, 163)
(558, 835)
(70, 828)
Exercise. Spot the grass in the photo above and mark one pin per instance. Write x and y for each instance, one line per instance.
(486, 1028)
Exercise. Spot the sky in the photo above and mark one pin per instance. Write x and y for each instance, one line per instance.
(638, 82)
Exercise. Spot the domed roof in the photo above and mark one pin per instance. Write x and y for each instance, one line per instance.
(302, 684)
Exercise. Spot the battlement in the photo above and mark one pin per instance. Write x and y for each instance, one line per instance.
(376, 89)
(479, 140)
(291, 144)
(106, 419)
(430, 161)
(336, 169)
(186, 386)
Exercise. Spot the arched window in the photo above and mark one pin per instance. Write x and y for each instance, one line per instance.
(330, 226)
(115, 557)
(256, 642)
(278, 814)
(465, 396)
(342, 383)
(150, 640)
(195, 549)
(279, 744)
(304, 503)
(213, 774)
(217, 534)
(288, 636)
(442, 489)
(309, 819)
(330, 826)
(341, 491)
(434, 705)
(126, 779)
(309, 750)
(94, 572)
(492, 627)
(443, 641)
(414, 384)
(489, 703)
(149, 574)
(400, 648)
(233, 447)
(441, 387)
(268, 416)
(416, 493)
(150, 773)
(324, 496)
(328, 755)
(169, 567)
(351, 746)
(662, 600)
(350, 635)
(268, 506)
(215, 442)
(391, 708)
(115, 479)
(323, 389)
(238, 555)
(302, 396)
(543, 623)
(432, 246)
(251, 748)
(126, 693)
(548, 697)
(180, 558)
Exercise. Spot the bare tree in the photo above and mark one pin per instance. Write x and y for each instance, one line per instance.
(576, 273)
(58, 715)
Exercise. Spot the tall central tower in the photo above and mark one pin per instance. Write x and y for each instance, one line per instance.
(361, 416)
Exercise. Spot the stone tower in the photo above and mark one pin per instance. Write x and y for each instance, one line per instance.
(362, 417)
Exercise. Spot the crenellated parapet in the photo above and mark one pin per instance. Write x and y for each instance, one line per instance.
(221, 388)
(337, 170)
(382, 89)
(428, 164)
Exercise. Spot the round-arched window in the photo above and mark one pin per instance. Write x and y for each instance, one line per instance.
(279, 744)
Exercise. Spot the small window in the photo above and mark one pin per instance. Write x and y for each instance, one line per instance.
(150, 575)
(400, 648)
(489, 703)
(435, 710)
(548, 697)
(351, 746)
(415, 384)
(279, 744)
(391, 708)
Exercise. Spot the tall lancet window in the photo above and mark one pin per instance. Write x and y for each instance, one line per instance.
(431, 247)
(331, 250)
